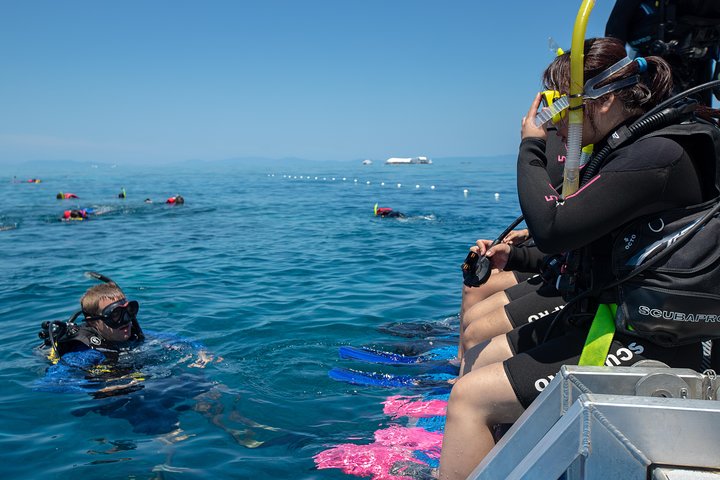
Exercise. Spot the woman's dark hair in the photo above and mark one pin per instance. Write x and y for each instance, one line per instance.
(600, 53)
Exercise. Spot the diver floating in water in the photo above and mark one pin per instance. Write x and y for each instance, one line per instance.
(109, 357)
(110, 327)
(34, 180)
(387, 212)
(175, 200)
(65, 196)
(122, 193)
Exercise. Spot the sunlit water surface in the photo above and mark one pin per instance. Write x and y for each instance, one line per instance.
(271, 269)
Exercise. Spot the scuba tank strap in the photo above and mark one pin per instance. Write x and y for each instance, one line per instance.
(600, 336)
(649, 123)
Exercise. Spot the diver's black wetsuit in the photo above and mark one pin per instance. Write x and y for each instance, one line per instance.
(531, 299)
(651, 175)
(648, 176)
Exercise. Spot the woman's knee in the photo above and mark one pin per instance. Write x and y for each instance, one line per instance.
(479, 311)
(494, 323)
(479, 389)
(497, 282)
(464, 394)
(485, 353)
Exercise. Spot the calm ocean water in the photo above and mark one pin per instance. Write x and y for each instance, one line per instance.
(272, 269)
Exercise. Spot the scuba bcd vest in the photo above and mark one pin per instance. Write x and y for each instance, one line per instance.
(64, 337)
(667, 264)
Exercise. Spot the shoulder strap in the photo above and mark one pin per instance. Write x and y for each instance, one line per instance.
(600, 336)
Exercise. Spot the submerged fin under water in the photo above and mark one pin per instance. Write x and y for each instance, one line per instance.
(441, 355)
(398, 451)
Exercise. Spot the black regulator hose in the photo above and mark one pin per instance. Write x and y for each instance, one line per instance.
(642, 126)
(685, 94)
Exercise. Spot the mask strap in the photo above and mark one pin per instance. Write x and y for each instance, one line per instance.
(589, 90)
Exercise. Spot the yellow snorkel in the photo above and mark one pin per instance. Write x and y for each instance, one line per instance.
(571, 174)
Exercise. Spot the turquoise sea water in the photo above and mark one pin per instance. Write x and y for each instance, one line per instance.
(271, 269)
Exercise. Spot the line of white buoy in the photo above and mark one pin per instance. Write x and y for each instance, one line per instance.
(465, 191)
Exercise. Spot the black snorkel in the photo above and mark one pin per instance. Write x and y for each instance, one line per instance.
(98, 276)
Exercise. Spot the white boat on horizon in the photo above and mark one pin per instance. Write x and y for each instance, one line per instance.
(408, 161)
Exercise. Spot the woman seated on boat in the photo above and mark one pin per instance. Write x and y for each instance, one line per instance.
(649, 175)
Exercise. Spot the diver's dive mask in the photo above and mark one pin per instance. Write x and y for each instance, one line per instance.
(554, 107)
(555, 104)
(117, 314)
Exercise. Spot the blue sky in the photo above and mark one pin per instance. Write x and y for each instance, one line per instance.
(157, 81)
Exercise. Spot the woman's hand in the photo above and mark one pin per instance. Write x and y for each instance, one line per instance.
(498, 255)
(528, 128)
(516, 237)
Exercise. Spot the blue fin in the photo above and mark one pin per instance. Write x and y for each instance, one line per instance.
(375, 379)
(371, 355)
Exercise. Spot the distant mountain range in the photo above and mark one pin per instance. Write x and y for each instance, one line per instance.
(250, 161)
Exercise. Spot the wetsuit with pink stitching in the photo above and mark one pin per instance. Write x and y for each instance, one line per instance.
(650, 175)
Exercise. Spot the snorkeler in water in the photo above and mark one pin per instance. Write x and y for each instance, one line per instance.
(76, 214)
(65, 196)
(122, 193)
(387, 212)
(175, 200)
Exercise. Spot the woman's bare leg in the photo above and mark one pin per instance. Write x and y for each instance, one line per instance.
(486, 353)
(478, 313)
(498, 281)
(478, 400)
(492, 324)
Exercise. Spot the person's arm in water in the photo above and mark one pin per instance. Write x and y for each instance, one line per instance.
(175, 342)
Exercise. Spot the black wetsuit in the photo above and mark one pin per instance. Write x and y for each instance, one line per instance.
(526, 260)
(651, 175)
(648, 176)
(532, 299)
